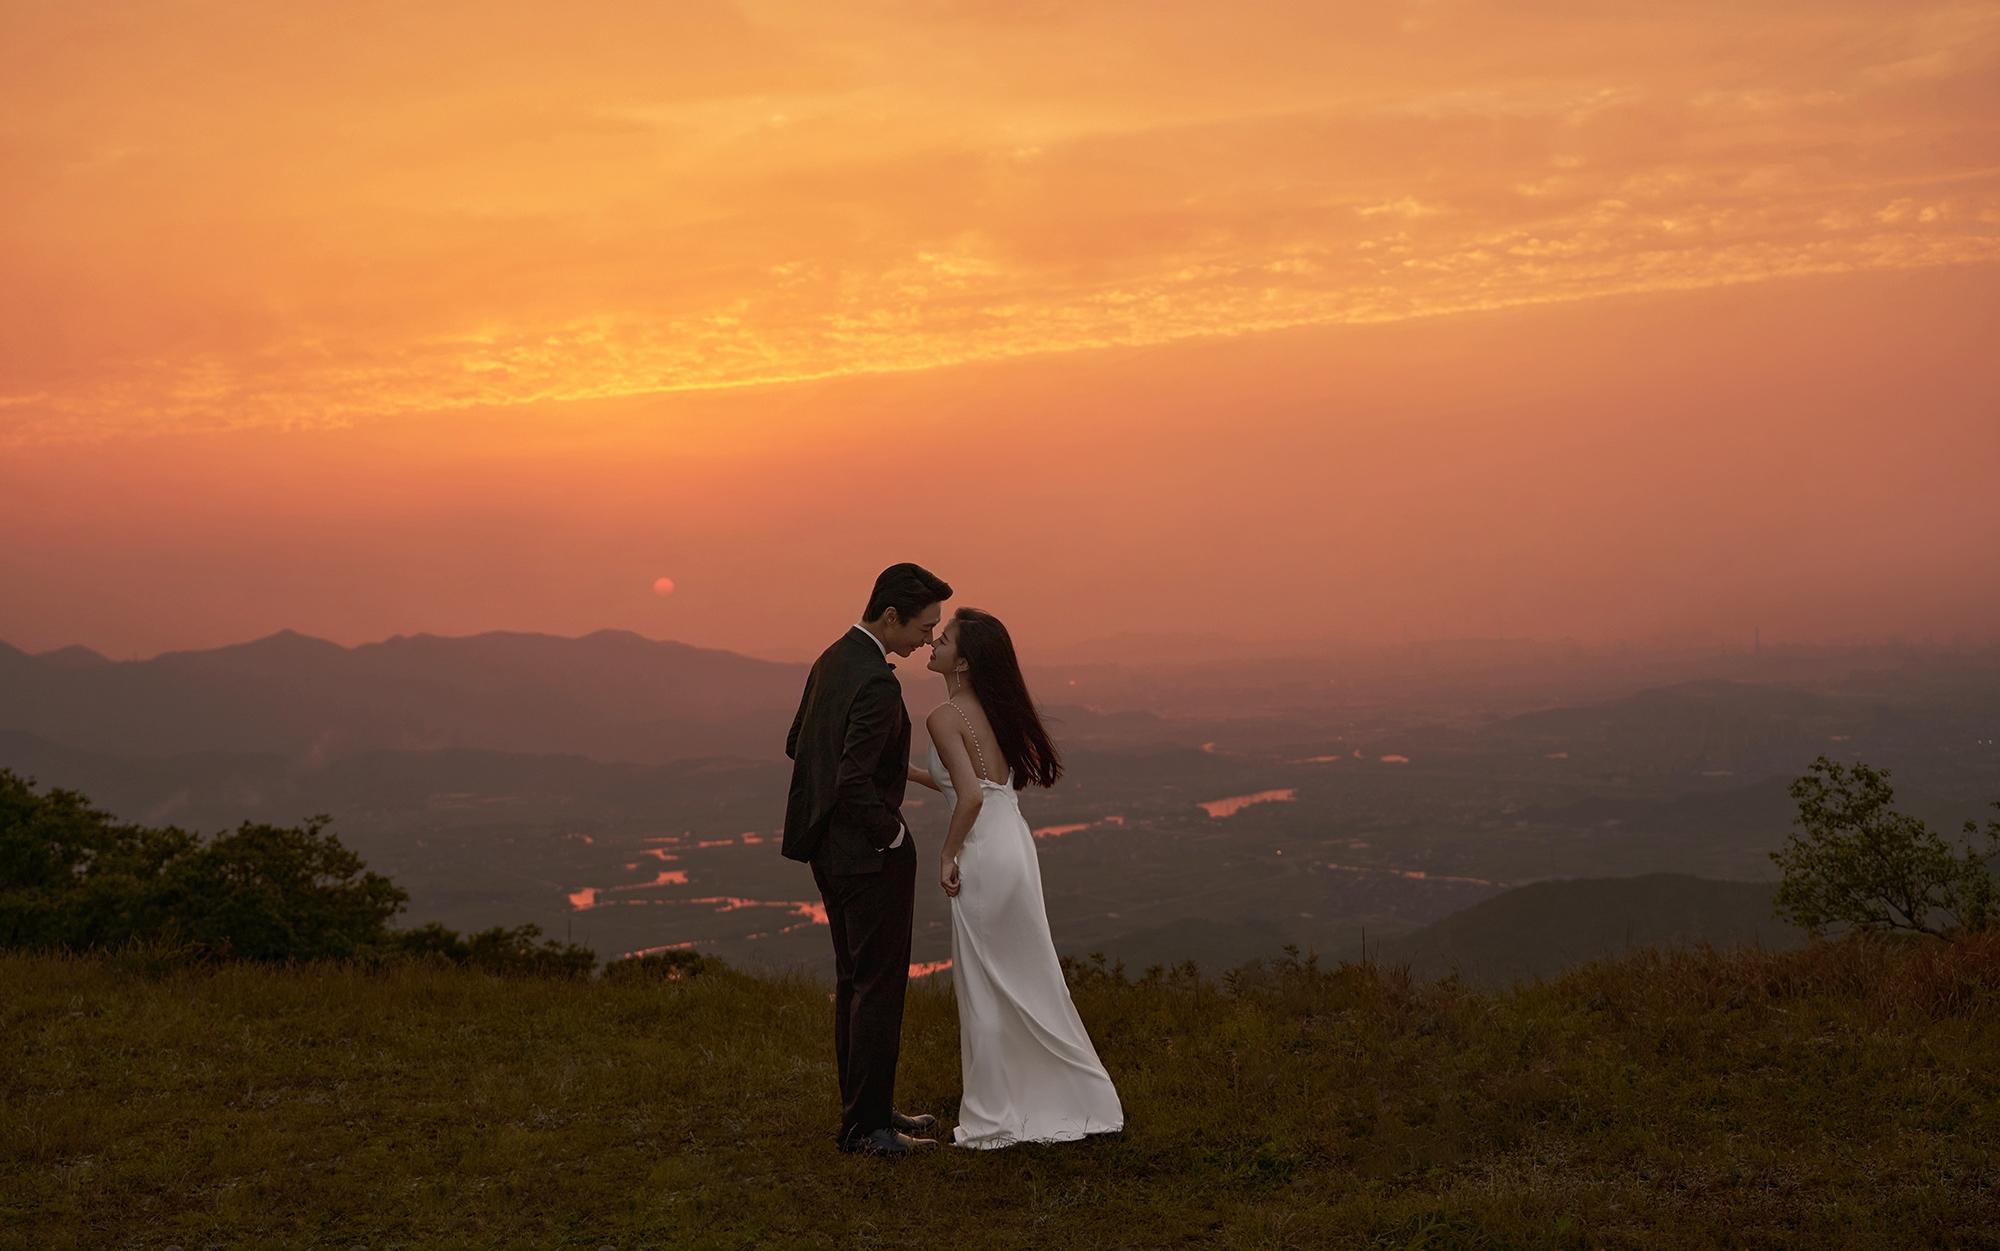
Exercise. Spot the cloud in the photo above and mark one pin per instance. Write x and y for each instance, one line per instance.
(284, 217)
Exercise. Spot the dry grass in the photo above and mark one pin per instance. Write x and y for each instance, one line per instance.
(1839, 1096)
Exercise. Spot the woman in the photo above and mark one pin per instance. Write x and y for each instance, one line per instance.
(1030, 1072)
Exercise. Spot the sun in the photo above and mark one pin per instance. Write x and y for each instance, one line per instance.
(663, 586)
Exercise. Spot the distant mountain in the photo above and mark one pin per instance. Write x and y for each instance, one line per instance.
(381, 797)
(610, 695)
(1680, 703)
(1540, 929)
(75, 656)
(1160, 647)
(1717, 727)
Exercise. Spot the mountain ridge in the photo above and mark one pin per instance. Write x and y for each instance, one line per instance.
(610, 694)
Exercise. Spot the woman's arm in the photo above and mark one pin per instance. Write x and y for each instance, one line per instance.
(922, 777)
(948, 732)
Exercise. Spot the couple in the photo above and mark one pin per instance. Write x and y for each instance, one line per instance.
(1030, 1073)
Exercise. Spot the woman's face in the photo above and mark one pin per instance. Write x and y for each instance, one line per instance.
(944, 651)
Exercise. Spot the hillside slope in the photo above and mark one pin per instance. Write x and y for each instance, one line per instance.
(1542, 928)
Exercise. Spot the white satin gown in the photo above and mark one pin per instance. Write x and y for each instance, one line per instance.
(1029, 1069)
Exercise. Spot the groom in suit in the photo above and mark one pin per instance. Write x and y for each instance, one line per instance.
(850, 751)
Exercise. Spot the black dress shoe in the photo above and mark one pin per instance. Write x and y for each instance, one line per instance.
(888, 1142)
(923, 1123)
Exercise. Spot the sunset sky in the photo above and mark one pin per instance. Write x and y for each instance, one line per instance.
(1277, 321)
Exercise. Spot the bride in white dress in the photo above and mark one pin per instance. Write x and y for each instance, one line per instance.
(1030, 1072)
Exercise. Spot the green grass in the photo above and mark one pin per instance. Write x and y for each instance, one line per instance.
(1839, 1096)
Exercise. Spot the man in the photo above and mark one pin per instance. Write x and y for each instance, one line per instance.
(850, 751)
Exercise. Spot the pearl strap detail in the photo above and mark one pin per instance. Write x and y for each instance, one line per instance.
(978, 755)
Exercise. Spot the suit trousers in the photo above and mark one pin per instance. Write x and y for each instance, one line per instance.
(870, 915)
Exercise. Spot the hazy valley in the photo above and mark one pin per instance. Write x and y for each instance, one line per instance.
(627, 793)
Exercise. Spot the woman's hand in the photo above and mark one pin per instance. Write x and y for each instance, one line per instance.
(948, 876)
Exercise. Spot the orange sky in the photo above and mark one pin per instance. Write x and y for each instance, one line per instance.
(1367, 322)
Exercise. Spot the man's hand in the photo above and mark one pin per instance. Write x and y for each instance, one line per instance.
(948, 876)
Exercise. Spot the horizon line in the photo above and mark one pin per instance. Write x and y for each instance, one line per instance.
(1266, 650)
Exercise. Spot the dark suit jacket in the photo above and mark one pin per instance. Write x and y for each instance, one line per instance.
(850, 750)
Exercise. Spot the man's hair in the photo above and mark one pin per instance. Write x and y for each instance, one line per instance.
(907, 588)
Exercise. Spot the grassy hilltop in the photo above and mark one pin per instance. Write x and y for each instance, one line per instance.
(1843, 1095)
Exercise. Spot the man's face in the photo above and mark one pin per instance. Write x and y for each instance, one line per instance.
(903, 637)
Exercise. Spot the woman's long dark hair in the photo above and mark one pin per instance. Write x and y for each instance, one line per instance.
(995, 674)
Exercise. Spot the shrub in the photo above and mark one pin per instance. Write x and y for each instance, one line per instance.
(428, 942)
(518, 953)
(662, 966)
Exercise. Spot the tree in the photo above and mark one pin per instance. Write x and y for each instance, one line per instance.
(1855, 860)
(73, 878)
(270, 892)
